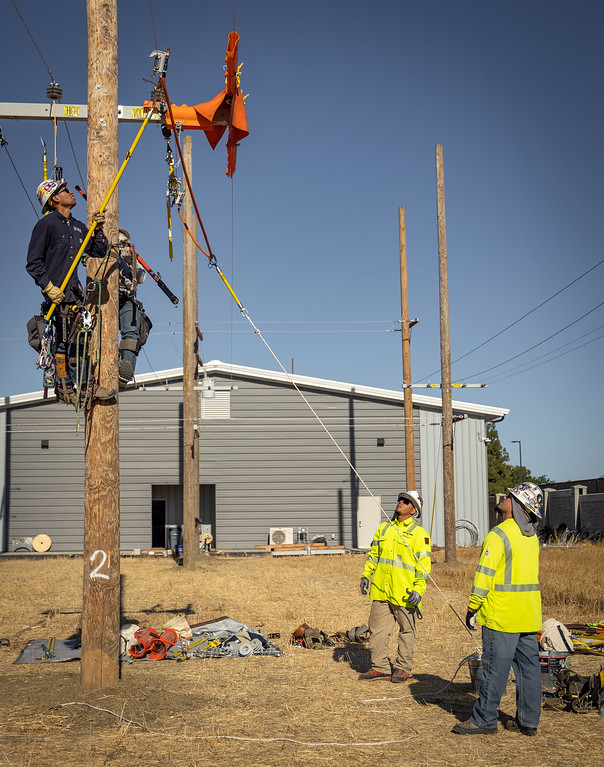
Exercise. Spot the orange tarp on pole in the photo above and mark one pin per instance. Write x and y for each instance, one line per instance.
(227, 109)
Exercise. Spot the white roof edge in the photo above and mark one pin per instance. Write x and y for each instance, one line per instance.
(216, 366)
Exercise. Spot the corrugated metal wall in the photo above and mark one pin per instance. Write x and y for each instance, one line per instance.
(270, 463)
(470, 475)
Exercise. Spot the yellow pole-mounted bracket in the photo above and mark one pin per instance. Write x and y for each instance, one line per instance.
(108, 196)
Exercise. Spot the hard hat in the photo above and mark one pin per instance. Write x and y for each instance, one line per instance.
(48, 189)
(124, 236)
(414, 497)
(530, 496)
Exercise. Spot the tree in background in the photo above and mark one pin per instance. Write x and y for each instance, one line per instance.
(501, 473)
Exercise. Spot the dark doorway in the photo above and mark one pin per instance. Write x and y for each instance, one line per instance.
(158, 523)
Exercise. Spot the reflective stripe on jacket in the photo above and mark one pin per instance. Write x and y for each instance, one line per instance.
(392, 562)
(506, 582)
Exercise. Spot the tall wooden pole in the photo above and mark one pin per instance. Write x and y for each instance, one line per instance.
(190, 453)
(445, 364)
(407, 393)
(101, 597)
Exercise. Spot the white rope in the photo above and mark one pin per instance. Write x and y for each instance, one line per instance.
(240, 738)
(245, 314)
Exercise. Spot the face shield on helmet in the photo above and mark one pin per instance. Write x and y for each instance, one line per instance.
(46, 190)
(530, 496)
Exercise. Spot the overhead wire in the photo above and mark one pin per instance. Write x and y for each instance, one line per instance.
(569, 351)
(33, 41)
(524, 316)
(4, 144)
(534, 346)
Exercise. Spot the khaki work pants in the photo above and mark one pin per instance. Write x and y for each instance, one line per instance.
(382, 618)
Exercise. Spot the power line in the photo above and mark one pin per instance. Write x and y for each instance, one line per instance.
(493, 367)
(4, 144)
(33, 41)
(529, 365)
(524, 316)
(568, 351)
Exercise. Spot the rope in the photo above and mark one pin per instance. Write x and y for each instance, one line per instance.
(210, 255)
(239, 737)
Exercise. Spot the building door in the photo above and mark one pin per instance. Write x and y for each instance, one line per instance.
(158, 523)
(369, 516)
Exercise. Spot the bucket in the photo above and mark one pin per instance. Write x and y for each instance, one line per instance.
(551, 662)
(475, 666)
(174, 534)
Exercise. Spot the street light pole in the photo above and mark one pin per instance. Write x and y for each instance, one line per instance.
(519, 443)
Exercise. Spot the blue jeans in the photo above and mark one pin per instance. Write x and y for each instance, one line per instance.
(500, 652)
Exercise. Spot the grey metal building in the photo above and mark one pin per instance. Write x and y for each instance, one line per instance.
(266, 462)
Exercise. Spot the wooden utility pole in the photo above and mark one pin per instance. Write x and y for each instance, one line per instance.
(405, 328)
(190, 438)
(101, 597)
(445, 365)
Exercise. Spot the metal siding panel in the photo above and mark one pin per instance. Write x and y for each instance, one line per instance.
(271, 462)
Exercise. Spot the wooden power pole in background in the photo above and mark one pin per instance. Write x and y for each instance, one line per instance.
(405, 328)
(190, 436)
(445, 364)
(101, 594)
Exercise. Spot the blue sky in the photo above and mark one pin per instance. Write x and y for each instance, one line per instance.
(347, 102)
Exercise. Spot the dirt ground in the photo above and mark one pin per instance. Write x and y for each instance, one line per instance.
(305, 707)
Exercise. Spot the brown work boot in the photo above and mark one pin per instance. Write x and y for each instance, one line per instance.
(99, 393)
(373, 674)
(400, 676)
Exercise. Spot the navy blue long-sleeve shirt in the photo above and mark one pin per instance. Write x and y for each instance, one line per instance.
(54, 244)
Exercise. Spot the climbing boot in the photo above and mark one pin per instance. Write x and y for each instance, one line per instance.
(96, 393)
(126, 373)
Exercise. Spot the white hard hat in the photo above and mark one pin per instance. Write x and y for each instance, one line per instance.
(48, 189)
(414, 497)
(530, 496)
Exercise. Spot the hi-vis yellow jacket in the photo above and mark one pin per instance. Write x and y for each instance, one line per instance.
(506, 582)
(394, 566)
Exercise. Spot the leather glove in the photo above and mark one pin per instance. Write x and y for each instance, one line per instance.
(55, 294)
(99, 219)
(471, 619)
(414, 598)
(364, 585)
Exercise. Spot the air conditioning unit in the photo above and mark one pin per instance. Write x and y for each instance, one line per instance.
(280, 535)
(22, 544)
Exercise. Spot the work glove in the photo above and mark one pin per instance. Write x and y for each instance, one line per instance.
(364, 585)
(99, 219)
(414, 598)
(471, 619)
(55, 294)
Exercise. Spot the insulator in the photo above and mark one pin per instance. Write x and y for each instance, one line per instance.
(54, 91)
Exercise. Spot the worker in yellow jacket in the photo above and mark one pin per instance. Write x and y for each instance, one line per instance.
(398, 564)
(506, 602)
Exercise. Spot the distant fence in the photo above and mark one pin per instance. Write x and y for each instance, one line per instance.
(571, 511)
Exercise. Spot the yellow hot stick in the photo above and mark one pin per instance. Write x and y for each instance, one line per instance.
(108, 196)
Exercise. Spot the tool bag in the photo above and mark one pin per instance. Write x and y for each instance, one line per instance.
(36, 327)
(555, 636)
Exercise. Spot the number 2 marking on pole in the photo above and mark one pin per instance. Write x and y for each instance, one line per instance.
(95, 573)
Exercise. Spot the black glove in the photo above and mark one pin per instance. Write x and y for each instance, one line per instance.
(364, 585)
(471, 619)
(414, 598)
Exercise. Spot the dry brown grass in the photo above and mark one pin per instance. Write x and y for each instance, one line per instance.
(307, 707)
